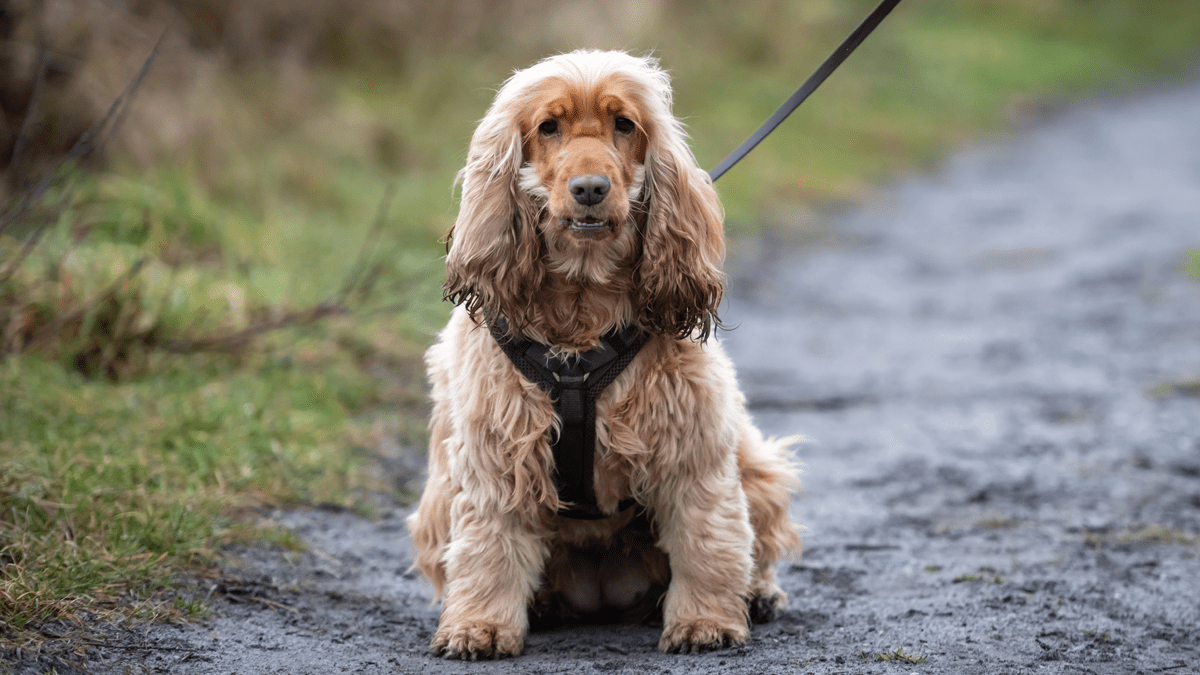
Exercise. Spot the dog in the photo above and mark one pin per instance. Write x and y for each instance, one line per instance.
(583, 211)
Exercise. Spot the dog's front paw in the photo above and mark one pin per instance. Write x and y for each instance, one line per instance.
(477, 639)
(767, 606)
(690, 637)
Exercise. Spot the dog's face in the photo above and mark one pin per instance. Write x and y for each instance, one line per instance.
(584, 151)
(579, 177)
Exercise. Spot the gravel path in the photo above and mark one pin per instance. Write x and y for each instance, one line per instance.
(998, 369)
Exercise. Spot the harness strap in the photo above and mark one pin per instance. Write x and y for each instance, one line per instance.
(573, 385)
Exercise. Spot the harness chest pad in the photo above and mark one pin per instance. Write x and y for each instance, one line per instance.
(573, 385)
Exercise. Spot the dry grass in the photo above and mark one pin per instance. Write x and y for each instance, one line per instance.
(1139, 534)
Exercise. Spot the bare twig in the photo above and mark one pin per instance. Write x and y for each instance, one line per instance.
(231, 341)
(358, 286)
(361, 276)
(87, 147)
(389, 308)
(31, 108)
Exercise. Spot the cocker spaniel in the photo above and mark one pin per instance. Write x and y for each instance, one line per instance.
(584, 215)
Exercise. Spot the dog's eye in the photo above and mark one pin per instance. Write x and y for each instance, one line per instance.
(548, 128)
(624, 125)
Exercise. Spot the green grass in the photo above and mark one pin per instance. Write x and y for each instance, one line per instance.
(145, 409)
(111, 489)
(984, 576)
(1163, 390)
(137, 438)
(1191, 263)
(935, 75)
(897, 656)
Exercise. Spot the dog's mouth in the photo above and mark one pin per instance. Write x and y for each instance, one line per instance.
(587, 225)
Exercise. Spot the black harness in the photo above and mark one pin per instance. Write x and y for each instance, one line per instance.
(573, 385)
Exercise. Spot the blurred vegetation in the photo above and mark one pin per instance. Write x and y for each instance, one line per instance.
(1191, 262)
(223, 306)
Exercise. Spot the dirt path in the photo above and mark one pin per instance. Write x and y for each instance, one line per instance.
(1000, 472)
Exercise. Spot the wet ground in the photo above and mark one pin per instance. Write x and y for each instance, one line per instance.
(998, 368)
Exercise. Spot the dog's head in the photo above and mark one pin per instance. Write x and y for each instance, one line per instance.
(579, 170)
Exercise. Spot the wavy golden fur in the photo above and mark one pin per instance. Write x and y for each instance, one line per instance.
(583, 210)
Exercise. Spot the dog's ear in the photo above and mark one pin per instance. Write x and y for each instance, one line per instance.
(493, 263)
(679, 277)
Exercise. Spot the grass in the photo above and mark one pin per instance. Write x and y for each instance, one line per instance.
(979, 65)
(897, 656)
(985, 576)
(1161, 391)
(1141, 534)
(1191, 263)
(998, 523)
(165, 369)
(139, 428)
(112, 489)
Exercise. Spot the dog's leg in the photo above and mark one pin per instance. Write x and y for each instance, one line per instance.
(704, 527)
(768, 478)
(493, 565)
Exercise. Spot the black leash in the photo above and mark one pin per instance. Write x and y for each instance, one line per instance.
(856, 38)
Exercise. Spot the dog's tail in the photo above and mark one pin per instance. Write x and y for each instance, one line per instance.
(770, 478)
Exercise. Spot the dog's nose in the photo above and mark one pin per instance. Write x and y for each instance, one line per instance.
(589, 190)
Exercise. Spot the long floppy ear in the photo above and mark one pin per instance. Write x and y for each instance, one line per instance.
(680, 282)
(493, 261)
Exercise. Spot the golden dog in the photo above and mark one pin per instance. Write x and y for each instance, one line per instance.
(583, 211)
